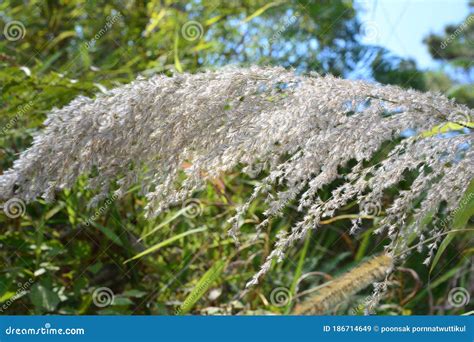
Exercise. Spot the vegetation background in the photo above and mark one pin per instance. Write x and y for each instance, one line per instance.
(65, 258)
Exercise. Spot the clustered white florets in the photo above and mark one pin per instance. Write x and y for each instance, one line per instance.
(300, 129)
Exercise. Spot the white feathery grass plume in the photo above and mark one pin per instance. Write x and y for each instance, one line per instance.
(301, 129)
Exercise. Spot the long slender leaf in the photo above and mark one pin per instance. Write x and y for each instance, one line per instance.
(165, 243)
(164, 223)
(261, 10)
(461, 216)
(177, 62)
(202, 286)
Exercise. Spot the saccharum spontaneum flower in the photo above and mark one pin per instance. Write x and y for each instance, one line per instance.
(300, 129)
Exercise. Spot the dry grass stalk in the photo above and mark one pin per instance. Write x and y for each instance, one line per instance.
(345, 286)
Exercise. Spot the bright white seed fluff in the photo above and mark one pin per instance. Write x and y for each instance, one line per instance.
(300, 129)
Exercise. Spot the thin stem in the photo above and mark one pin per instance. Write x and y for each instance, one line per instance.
(433, 238)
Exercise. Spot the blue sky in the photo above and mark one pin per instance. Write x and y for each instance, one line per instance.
(401, 25)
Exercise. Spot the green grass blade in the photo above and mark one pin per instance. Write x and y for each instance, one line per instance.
(446, 127)
(177, 63)
(299, 268)
(461, 216)
(164, 223)
(262, 9)
(202, 286)
(361, 251)
(165, 243)
(108, 233)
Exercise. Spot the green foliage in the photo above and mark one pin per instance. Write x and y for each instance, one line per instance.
(392, 70)
(456, 49)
